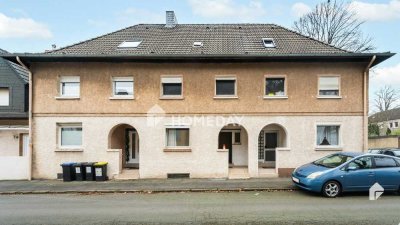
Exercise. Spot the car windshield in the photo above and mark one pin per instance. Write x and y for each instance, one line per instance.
(332, 161)
(374, 151)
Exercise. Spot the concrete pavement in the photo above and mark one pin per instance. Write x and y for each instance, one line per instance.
(198, 208)
(156, 185)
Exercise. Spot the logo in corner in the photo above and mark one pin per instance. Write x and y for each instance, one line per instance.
(155, 115)
(375, 192)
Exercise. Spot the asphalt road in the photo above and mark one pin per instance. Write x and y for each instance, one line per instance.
(275, 208)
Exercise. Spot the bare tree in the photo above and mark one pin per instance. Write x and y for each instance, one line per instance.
(386, 98)
(334, 23)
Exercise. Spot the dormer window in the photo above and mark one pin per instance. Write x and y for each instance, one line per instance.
(268, 42)
(197, 44)
(130, 44)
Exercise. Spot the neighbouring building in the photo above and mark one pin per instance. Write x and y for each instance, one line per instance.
(386, 132)
(14, 132)
(197, 100)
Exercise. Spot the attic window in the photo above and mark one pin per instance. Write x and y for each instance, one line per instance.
(197, 44)
(130, 44)
(268, 42)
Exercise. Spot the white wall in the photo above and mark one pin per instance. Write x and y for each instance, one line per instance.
(14, 167)
(9, 146)
(204, 160)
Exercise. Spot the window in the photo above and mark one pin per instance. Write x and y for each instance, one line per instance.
(197, 44)
(177, 137)
(391, 125)
(329, 85)
(275, 86)
(327, 135)
(383, 162)
(268, 42)
(332, 161)
(70, 86)
(4, 96)
(396, 124)
(70, 135)
(225, 86)
(361, 163)
(171, 86)
(123, 86)
(236, 138)
(130, 44)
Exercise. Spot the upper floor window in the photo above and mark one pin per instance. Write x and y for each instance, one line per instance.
(123, 86)
(329, 86)
(70, 86)
(70, 135)
(391, 125)
(396, 124)
(171, 87)
(275, 86)
(328, 135)
(225, 86)
(4, 96)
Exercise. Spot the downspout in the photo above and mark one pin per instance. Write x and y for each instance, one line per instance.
(30, 155)
(365, 94)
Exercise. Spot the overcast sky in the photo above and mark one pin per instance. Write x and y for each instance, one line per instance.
(33, 26)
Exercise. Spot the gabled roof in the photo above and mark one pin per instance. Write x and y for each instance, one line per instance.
(8, 67)
(392, 114)
(221, 39)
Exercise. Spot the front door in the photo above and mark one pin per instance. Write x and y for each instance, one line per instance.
(133, 147)
(225, 140)
(271, 142)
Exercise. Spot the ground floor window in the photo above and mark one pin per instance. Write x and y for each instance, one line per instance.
(177, 137)
(328, 135)
(70, 135)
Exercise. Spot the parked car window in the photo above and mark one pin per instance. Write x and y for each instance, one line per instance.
(362, 163)
(383, 162)
(333, 161)
(396, 152)
(388, 153)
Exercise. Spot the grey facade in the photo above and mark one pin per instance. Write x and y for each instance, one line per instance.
(15, 78)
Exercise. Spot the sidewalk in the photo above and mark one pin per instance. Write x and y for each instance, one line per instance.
(145, 186)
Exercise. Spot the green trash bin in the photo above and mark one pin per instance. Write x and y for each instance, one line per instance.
(101, 171)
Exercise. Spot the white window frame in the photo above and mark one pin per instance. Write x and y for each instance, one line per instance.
(129, 44)
(176, 127)
(8, 101)
(284, 96)
(273, 45)
(68, 79)
(126, 79)
(339, 96)
(225, 77)
(171, 79)
(69, 125)
(329, 147)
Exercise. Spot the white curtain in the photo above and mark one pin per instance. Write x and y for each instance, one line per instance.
(171, 137)
(71, 136)
(328, 135)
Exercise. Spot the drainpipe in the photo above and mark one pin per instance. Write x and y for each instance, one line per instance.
(29, 118)
(365, 94)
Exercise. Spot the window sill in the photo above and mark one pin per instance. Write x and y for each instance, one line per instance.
(276, 97)
(328, 148)
(226, 97)
(223, 150)
(171, 97)
(122, 98)
(69, 149)
(67, 97)
(283, 149)
(177, 150)
(329, 97)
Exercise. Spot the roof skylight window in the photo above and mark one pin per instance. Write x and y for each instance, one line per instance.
(130, 44)
(268, 42)
(197, 44)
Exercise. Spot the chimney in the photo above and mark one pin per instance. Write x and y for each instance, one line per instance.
(171, 20)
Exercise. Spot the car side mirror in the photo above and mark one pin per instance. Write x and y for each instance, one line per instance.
(351, 168)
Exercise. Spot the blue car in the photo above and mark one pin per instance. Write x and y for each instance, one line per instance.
(348, 171)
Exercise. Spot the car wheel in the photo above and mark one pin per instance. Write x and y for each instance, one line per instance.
(331, 189)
